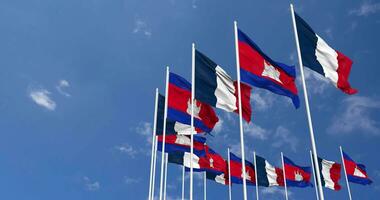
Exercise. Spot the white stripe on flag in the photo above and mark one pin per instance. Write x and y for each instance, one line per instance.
(183, 129)
(186, 160)
(328, 58)
(224, 93)
(271, 174)
(326, 167)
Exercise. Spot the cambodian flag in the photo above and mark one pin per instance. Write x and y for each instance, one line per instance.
(296, 175)
(212, 161)
(236, 171)
(259, 70)
(182, 143)
(179, 106)
(356, 172)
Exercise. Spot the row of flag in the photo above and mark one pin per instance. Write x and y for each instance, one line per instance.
(185, 115)
(229, 171)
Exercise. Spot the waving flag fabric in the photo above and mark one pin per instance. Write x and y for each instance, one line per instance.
(215, 87)
(330, 173)
(183, 158)
(267, 174)
(182, 143)
(259, 70)
(356, 173)
(212, 161)
(321, 58)
(179, 106)
(236, 171)
(296, 176)
(221, 178)
(172, 127)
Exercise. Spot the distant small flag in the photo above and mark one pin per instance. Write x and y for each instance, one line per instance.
(267, 174)
(321, 58)
(236, 171)
(212, 161)
(179, 106)
(356, 173)
(215, 87)
(259, 70)
(182, 143)
(330, 173)
(183, 158)
(296, 176)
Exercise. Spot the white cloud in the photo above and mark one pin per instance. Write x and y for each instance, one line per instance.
(329, 33)
(283, 137)
(142, 27)
(41, 97)
(274, 190)
(145, 129)
(356, 116)
(316, 83)
(91, 185)
(262, 100)
(62, 84)
(130, 180)
(256, 131)
(194, 4)
(127, 149)
(366, 8)
(218, 127)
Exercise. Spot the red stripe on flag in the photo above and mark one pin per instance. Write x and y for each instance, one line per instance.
(344, 68)
(335, 175)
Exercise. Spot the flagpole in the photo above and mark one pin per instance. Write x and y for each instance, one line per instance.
(153, 141)
(229, 176)
(204, 186)
(164, 132)
(154, 166)
(313, 145)
(166, 174)
(240, 113)
(315, 180)
(183, 182)
(283, 171)
(345, 173)
(192, 118)
(256, 179)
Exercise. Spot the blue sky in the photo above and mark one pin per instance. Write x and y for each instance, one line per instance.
(77, 88)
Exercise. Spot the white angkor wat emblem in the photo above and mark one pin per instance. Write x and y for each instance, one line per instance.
(298, 176)
(247, 176)
(196, 108)
(271, 72)
(211, 162)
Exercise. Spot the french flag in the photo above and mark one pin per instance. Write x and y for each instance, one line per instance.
(182, 143)
(259, 70)
(321, 58)
(267, 174)
(179, 106)
(215, 87)
(330, 173)
(184, 159)
(356, 173)
(296, 176)
(236, 171)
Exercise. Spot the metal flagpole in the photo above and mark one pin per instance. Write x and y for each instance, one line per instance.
(154, 166)
(164, 132)
(153, 140)
(229, 176)
(166, 174)
(240, 113)
(283, 171)
(204, 186)
(192, 118)
(256, 179)
(183, 182)
(315, 179)
(345, 173)
(314, 148)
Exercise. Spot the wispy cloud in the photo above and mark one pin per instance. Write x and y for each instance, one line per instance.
(194, 4)
(366, 8)
(355, 114)
(274, 190)
(256, 131)
(218, 127)
(283, 137)
(42, 98)
(91, 185)
(62, 85)
(127, 149)
(142, 28)
(316, 83)
(130, 180)
(145, 129)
